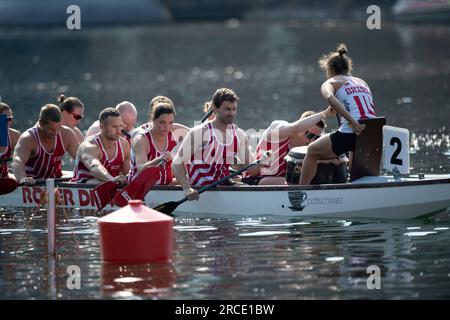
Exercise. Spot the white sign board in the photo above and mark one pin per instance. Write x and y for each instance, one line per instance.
(396, 149)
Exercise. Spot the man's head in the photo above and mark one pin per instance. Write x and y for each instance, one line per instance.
(128, 113)
(163, 116)
(224, 102)
(314, 132)
(50, 120)
(110, 123)
(5, 109)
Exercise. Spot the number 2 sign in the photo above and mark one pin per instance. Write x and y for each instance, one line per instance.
(396, 149)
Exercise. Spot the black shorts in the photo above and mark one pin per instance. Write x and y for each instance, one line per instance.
(342, 142)
(252, 180)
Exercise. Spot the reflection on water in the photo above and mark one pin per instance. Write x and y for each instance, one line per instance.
(274, 71)
(258, 258)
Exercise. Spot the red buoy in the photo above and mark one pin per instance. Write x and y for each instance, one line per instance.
(136, 234)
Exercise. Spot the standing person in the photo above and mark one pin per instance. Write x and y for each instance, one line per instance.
(350, 97)
(13, 137)
(72, 112)
(39, 150)
(105, 155)
(152, 145)
(209, 149)
(128, 114)
(280, 137)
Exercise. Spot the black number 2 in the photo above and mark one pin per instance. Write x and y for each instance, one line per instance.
(394, 159)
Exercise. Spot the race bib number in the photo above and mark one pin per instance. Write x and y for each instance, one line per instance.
(396, 149)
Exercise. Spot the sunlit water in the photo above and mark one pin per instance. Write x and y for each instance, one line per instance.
(274, 71)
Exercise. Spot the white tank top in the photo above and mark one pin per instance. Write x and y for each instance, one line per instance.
(357, 99)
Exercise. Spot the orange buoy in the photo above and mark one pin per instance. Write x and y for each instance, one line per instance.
(136, 234)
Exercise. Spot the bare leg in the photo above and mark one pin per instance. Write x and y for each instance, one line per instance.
(318, 150)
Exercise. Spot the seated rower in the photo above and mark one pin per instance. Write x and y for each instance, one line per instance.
(13, 136)
(210, 148)
(72, 112)
(39, 150)
(128, 114)
(105, 155)
(280, 137)
(153, 145)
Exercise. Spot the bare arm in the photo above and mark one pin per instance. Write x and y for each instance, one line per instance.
(140, 151)
(23, 150)
(287, 130)
(89, 155)
(70, 141)
(126, 157)
(79, 134)
(327, 90)
(14, 134)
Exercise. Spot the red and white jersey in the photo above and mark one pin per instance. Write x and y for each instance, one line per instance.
(211, 163)
(81, 173)
(5, 155)
(356, 96)
(165, 175)
(277, 165)
(45, 164)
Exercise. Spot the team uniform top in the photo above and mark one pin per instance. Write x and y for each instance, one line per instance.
(45, 164)
(211, 162)
(165, 174)
(280, 149)
(356, 96)
(82, 174)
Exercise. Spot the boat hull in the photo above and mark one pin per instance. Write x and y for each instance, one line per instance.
(369, 197)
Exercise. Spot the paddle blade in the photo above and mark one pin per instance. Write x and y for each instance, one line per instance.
(103, 194)
(7, 185)
(139, 187)
(167, 208)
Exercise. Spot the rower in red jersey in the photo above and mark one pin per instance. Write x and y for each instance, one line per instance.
(39, 150)
(13, 135)
(128, 114)
(209, 149)
(106, 155)
(153, 146)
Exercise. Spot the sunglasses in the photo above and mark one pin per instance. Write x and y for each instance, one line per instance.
(312, 136)
(77, 116)
(9, 119)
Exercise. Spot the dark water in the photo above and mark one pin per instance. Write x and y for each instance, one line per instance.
(273, 69)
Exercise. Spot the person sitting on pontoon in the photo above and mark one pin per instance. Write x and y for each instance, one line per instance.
(39, 150)
(105, 155)
(280, 137)
(13, 136)
(128, 114)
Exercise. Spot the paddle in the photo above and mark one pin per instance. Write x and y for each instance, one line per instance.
(139, 186)
(206, 116)
(8, 185)
(170, 206)
(103, 193)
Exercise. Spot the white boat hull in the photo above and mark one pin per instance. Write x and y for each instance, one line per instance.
(369, 197)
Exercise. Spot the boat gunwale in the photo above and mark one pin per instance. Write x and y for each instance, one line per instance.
(339, 186)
